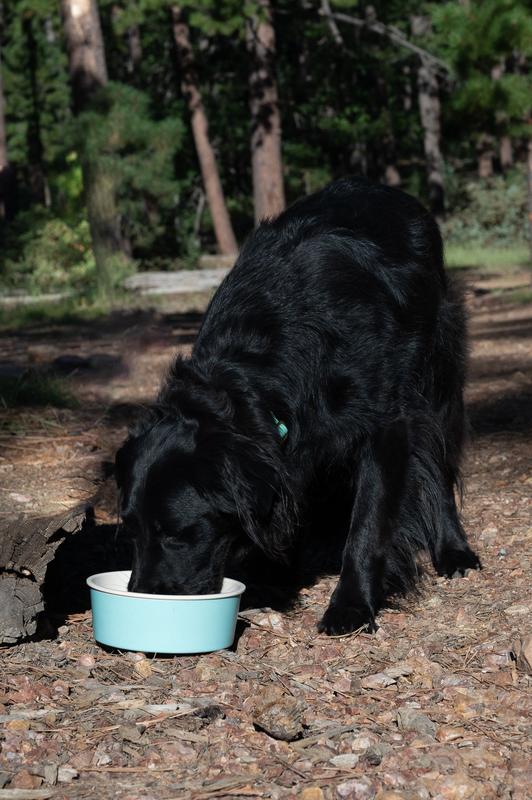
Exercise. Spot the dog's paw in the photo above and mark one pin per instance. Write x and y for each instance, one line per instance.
(455, 563)
(340, 619)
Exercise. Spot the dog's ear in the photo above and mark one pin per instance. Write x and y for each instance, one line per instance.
(123, 459)
(255, 483)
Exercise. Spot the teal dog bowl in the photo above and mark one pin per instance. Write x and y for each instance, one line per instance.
(162, 623)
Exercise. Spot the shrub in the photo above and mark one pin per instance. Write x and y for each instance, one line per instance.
(44, 253)
(489, 212)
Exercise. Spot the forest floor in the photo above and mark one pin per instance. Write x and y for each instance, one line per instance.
(435, 705)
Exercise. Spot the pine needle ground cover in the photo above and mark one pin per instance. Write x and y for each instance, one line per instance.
(434, 706)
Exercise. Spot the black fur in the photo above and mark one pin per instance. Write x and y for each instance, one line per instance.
(339, 320)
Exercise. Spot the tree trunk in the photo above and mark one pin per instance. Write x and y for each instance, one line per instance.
(88, 75)
(266, 159)
(529, 182)
(486, 155)
(223, 230)
(392, 176)
(37, 179)
(430, 114)
(3, 138)
(7, 171)
(506, 155)
(88, 69)
(135, 48)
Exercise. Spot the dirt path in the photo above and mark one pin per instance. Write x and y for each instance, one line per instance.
(433, 706)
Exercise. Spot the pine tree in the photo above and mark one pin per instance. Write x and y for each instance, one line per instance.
(88, 73)
(266, 158)
(198, 119)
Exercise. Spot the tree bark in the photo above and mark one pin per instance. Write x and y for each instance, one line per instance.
(430, 114)
(392, 176)
(37, 179)
(88, 68)
(135, 48)
(529, 184)
(7, 172)
(506, 155)
(88, 75)
(3, 139)
(26, 548)
(221, 221)
(266, 158)
(486, 155)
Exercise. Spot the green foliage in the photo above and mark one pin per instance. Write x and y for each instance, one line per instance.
(488, 43)
(36, 389)
(120, 132)
(344, 109)
(490, 212)
(46, 254)
(485, 258)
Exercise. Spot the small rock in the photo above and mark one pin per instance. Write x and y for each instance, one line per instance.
(361, 743)
(311, 793)
(25, 780)
(517, 609)
(378, 681)
(5, 777)
(448, 733)
(357, 789)
(86, 660)
(410, 719)
(131, 656)
(279, 716)
(130, 733)
(20, 725)
(143, 668)
(460, 786)
(347, 760)
(489, 534)
(67, 774)
(523, 653)
(462, 618)
(50, 774)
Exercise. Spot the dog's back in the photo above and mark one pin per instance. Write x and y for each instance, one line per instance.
(346, 283)
(339, 322)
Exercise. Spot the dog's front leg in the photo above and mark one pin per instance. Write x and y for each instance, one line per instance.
(360, 592)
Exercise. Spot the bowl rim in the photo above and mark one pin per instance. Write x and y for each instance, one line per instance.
(237, 589)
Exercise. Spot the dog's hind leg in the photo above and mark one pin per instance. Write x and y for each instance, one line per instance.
(446, 539)
(370, 557)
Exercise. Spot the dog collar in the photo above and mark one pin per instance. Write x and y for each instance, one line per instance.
(282, 430)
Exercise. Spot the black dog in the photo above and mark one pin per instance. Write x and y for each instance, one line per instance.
(321, 412)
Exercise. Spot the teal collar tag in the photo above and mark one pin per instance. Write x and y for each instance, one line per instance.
(282, 430)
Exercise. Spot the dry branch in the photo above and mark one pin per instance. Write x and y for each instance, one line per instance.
(389, 32)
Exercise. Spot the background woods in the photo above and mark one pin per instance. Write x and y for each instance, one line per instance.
(138, 134)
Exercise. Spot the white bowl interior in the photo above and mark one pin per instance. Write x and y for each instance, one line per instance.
(116, 583)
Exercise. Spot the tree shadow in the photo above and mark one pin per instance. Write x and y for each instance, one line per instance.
(511, 413)
(93, 549)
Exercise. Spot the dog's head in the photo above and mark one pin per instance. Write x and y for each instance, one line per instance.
(189, 494)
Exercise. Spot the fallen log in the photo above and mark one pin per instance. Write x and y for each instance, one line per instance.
(27, 545)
